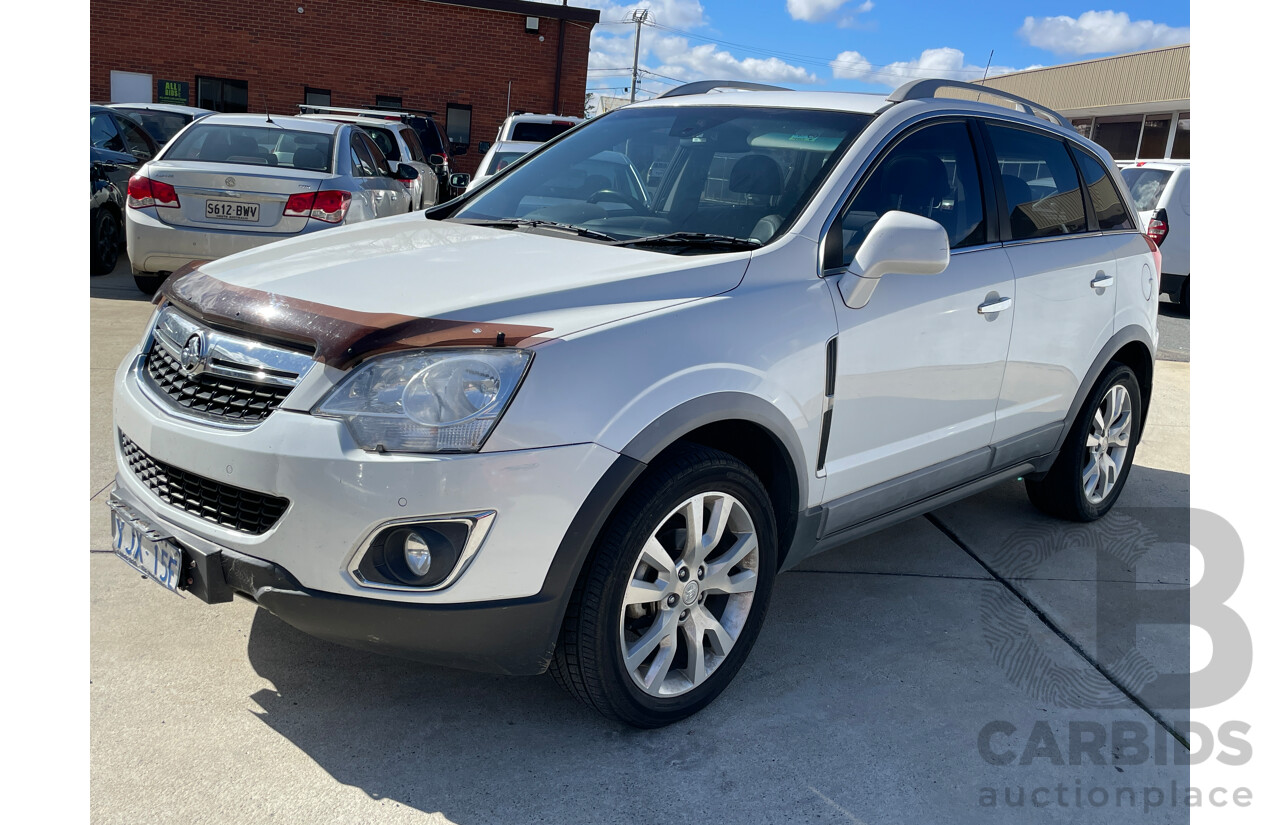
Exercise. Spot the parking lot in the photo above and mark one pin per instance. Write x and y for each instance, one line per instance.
(892, 678)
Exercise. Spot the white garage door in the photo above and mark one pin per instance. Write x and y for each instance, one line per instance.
(130, 87)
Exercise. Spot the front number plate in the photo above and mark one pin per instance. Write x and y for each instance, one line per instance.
(160, 561)
(231, 211)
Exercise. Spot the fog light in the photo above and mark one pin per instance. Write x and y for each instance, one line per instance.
(417, 554)
(420, 554)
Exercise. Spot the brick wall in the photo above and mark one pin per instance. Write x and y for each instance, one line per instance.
(427, 53)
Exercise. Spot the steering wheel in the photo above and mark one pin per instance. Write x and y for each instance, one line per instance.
(620, 197)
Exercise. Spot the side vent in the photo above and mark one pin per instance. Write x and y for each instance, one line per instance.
(827, 403)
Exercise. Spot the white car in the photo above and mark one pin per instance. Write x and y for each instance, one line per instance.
(399, 143)
(227, 183)
(519, 135)
(1161, 191)
(500, 155)
(532, 430)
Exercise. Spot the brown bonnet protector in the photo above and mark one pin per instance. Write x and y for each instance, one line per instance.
(338, 337)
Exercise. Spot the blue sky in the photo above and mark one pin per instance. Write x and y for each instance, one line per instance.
(863, 45)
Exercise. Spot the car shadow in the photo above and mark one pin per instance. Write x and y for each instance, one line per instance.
(862, 678)
(117, 284)
(1169, 309)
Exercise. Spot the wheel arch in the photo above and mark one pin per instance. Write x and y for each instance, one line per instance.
(751, 430)
(1131, 346)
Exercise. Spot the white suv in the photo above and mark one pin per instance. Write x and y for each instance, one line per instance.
(534, 430)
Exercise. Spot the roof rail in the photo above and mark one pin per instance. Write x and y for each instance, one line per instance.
(927, 88)
(376, 111)
(704, 86)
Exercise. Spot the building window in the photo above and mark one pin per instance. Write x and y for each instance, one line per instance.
(1182, 138)
(390, 102)
(317, 97)
(1119, 135)
(222, 94)
(457, 124)
(1083, 125)
(1155, 136)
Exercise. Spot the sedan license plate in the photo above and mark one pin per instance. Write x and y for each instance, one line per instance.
(159, 560)
(231, 211)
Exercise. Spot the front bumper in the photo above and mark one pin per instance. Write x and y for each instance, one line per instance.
(338, 495)
(155, 246)
(511, 636)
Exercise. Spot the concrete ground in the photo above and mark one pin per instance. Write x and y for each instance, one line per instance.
(893, 678)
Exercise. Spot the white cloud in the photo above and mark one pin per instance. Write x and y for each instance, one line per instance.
(670, 54)
(705, 61)
(945, 62)
(817, 11)
(1097, 32)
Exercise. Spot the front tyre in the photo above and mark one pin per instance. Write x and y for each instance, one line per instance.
(105, 240)
(675, 593)
(1090, 471)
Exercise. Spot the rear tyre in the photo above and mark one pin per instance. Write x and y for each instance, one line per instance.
(148, 282)
(675, 592)
(1090, 471)
(104, 242)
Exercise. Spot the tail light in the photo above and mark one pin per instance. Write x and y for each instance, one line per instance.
(1155, 253)
(329, 206)
(144, 192)
(1158, 227)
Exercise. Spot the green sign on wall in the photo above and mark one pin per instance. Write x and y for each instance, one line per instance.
(172, 91)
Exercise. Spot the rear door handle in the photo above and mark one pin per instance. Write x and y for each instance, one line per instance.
(1102, 280)
(996, 305)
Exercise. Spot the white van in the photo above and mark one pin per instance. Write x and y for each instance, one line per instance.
(1161, 191)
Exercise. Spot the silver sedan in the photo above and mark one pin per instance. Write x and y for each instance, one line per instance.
(227, 183)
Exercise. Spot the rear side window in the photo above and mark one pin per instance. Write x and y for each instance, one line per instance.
(377, 159)
(1041, 188)
(361, 158)
(253, 145)
(432, 143)
(539, 132)
(384, 141)
(1146, 186)
(160, 125)
(1108, 207)
(137, 141)
(103, 134)
(415, 145)
(933, 173)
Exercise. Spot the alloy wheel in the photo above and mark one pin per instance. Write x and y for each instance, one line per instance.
(1107, 444)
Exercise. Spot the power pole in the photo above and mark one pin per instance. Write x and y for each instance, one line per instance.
(638, 16)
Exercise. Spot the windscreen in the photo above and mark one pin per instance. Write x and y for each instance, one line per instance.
(254, 145)
(742, 172)
(1146, 185)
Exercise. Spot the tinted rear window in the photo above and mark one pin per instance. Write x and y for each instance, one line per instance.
(160, 125)
(1146, 185)
(502, 160)
(1108, 208)
(255, 145)
(430, 136)
(539, 132)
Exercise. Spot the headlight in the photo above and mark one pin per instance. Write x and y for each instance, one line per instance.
(427, 401)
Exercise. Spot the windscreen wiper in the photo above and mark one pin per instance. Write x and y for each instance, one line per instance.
(691, 239)
(581, 231)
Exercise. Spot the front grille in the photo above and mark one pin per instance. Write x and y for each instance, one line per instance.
(223, 504)
(212, 395)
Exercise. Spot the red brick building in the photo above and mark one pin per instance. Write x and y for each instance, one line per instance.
(451, 57)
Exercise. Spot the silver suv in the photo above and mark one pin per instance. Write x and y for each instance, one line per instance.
(556, 424)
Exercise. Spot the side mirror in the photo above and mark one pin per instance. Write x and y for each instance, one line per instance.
(900, 243)
(436, 161)
(405, 172)
(484, 146)
(457, 148)
(459, 180)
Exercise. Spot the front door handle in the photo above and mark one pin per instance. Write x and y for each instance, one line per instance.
(996, 305)
(1102, 280)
